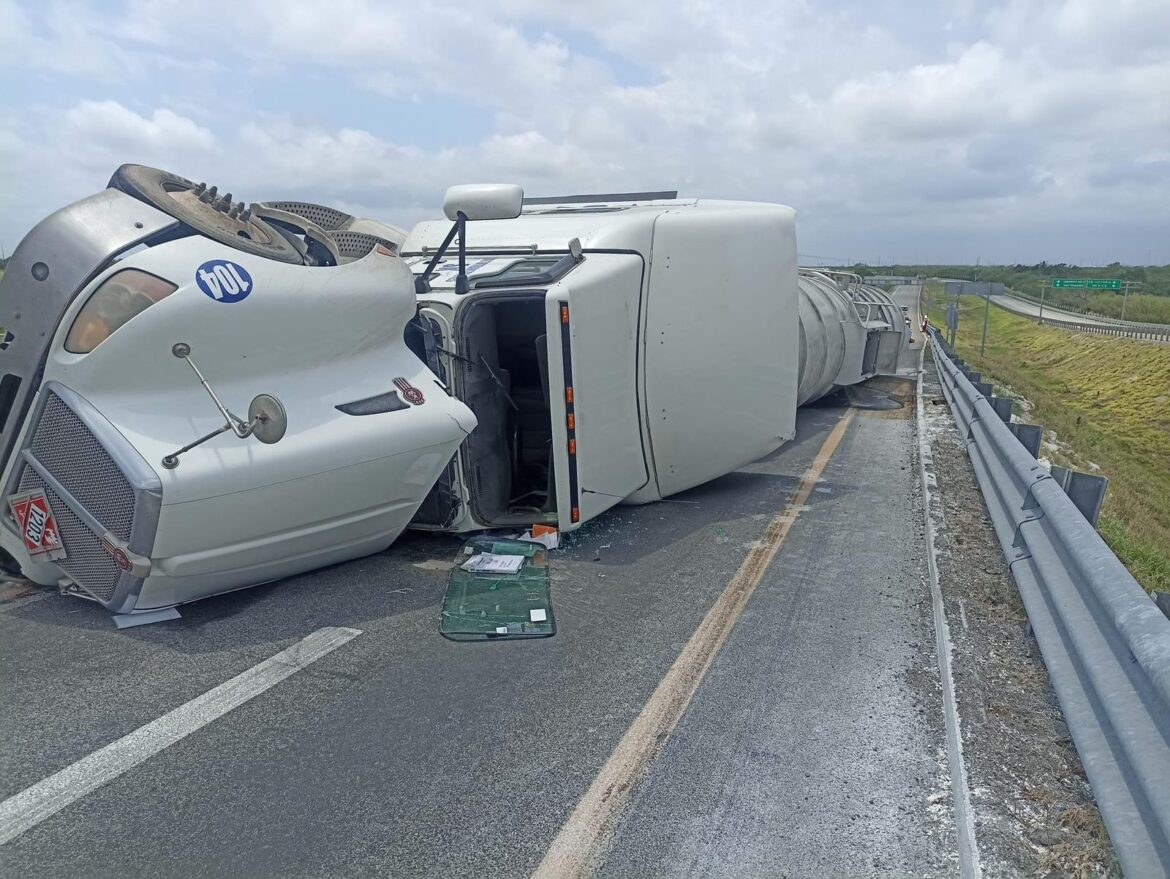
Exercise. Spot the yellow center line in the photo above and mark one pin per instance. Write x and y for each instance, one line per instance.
(578, 846)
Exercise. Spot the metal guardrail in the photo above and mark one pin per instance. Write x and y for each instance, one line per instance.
(1161, 334)
(1105, 643)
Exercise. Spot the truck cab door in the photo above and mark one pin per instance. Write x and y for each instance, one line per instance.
(593, 318)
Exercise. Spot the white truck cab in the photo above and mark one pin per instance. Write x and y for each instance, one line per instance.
(611, 350)
(198, 398)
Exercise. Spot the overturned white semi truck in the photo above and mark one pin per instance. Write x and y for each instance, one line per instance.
(198, 396)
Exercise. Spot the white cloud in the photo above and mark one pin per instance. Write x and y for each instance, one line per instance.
(107, 126)
(906, 126)
(59, 39)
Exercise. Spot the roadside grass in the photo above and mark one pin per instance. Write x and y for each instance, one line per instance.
(1108, 401)
(1139, 308)
(1148, 303)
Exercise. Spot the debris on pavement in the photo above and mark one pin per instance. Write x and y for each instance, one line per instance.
(499, 588)
(491, 563)
(545, 535)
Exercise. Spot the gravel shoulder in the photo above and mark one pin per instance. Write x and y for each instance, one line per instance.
(1034, 809)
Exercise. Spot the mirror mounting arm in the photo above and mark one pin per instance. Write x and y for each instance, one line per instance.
(183, 351)
(171, 461)
(422, 283)
(266, 417)
(461, 278)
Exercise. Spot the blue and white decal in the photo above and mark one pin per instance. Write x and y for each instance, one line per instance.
(224, 280)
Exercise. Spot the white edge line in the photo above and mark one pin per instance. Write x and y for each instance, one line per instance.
(33, 805)
(969, 865)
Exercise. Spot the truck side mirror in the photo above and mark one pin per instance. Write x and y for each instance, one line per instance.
(484, 201)
(267, 420)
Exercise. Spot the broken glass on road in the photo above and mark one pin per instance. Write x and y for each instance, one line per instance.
(484, 604)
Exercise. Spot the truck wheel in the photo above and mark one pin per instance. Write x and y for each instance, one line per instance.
(320, 246)
(204, 210)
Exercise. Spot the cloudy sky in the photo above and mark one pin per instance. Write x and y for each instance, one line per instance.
(931, 131)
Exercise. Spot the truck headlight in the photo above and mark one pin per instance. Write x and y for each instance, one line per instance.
(120, 297)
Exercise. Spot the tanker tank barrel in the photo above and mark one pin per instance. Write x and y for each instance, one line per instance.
(849, 331)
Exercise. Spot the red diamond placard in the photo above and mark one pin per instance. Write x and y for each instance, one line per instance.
(37, 525)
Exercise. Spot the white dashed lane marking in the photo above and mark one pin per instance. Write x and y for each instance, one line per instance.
(45, 798)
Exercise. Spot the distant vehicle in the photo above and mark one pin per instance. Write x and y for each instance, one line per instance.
(203, 396)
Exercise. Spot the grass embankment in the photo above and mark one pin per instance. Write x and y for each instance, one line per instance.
(1139, 309)
(1108, 399)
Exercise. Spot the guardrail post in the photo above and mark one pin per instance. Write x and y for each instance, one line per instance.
(1085, 490)
(984, 388)
(1029, 436)
(1003, 408)
(1162, 599)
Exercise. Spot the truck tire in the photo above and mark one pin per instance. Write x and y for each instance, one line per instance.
(204, 210)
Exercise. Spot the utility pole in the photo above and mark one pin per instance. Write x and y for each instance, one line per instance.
(986, 309)
(1125, 294)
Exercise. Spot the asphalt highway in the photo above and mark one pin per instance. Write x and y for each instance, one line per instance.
(813, 744)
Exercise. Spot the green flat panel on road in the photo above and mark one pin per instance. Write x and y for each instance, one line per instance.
(1068, 282)
(1104, 285)
(483, 606)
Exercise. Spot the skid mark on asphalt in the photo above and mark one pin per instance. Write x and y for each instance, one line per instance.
(47, 797)
(581, 841)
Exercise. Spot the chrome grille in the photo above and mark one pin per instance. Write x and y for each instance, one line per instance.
(75, 458)
(87, 563)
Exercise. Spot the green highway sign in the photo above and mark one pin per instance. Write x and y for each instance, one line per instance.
(1086, 283)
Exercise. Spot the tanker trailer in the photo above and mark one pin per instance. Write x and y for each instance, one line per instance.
(849, 332)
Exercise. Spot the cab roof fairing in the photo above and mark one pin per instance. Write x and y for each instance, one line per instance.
(629, 227)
